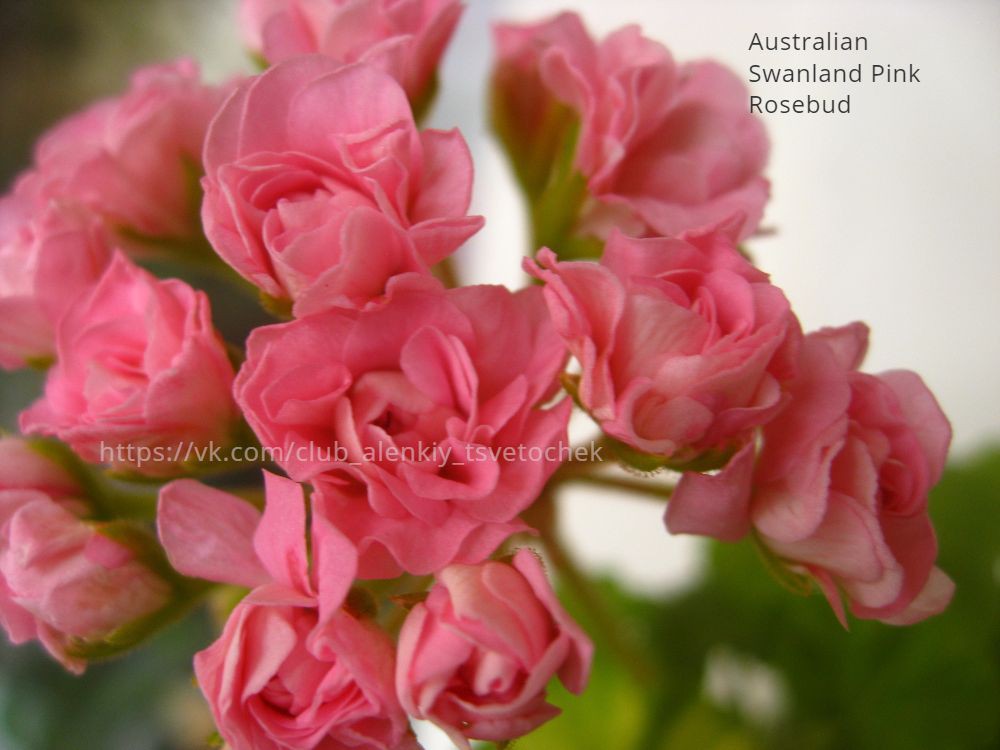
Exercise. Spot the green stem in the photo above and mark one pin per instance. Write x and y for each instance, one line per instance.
(112, 500)
(109, 498)
(600, 614)
(598, 453)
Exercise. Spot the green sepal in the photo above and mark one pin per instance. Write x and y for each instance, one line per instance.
(647, 463)
(532, 156)
(797, 583)
(554, 211)
(422, 104)
(41, 363)
(709, 460)
(258, 60)
(276, 306)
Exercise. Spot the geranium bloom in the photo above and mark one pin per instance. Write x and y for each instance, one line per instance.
(404, 38)
(839, 490)
(476, 656)
(419, 420)
(319, 187)
(663, 148)
(133, 159)
(682, 342)
(292, 668)
(139, 364)
(61, 581)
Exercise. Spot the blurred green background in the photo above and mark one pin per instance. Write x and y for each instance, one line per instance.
(733, 663)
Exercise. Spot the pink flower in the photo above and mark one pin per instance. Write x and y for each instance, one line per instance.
(404, 38)
(663, 148)
(47, 261)
(682, 342)
(133, 159)
(319, 187)
(292, 670)
(475, 658)
(419, 420)
(61, 581)
(839, 490)
(140, 365)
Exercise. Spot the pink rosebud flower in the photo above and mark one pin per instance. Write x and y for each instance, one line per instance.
(682, 342)
(404, 38)
(418, 420)
(133, 159)
(839, 490)
(47, 261)
(319, 187)
(61, 581)
(476, 656)
(139, 367)
(292, 670)
(663, 148)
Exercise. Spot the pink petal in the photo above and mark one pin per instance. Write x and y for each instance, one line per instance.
(716, 506)
(208, 533)
(280, 539)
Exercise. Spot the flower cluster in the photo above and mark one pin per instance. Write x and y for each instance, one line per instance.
(373, 580)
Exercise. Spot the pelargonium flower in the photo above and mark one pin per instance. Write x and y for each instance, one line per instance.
(132, 159)
(683, 344)
(292, 669)
(62, 582)
(420, 421)
(319, 188)
(404, 38)
(839, 488)
(476, 656)
(139, 365)
(663, 148)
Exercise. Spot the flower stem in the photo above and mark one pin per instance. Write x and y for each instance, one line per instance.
(590, 599)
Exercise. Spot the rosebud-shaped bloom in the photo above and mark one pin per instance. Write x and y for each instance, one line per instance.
(663, 148)
(61, 581)
(47, 261)
(682, 342)
(418, 420)
(839, 490)
(319, 187)
(476, 656)
(133, 159)
(404, 38)
(292, 670)
(142, 377)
